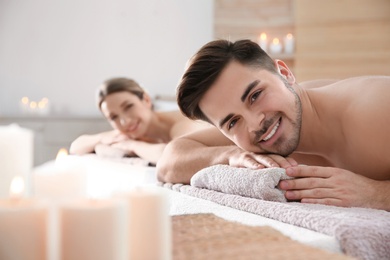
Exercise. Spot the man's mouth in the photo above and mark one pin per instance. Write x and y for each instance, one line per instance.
(272, 133)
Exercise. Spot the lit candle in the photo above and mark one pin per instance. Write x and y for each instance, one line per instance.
(23, 228)
(276, 46)
(61, 179)
(24, 105)
(149, 227)
(44, 106)
(93, 229)
(33, 107)
(16, 153)
(289, 43)
(262, 41)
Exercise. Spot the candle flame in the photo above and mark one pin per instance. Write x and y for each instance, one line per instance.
(33, 104)
(289, 36)
(61, 153)
(25, 100)
(275, 41)
(41, 104)
(263, 36)
(17, 187)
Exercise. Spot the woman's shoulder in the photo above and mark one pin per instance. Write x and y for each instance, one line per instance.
(175, 115)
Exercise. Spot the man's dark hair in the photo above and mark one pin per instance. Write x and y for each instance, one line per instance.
(206, 66)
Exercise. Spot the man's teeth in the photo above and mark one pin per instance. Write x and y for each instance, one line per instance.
(272, 132)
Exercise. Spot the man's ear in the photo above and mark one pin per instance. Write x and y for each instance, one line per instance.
(285, 72)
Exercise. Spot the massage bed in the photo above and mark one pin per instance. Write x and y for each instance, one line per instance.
(343, 233)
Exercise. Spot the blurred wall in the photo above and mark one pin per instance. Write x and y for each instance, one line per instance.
(333, 38)
(63, 50)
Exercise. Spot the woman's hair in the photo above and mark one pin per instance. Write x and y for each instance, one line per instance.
(114, 85)
(208, 63)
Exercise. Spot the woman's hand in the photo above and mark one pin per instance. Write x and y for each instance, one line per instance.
(112, 137)
(126, 145)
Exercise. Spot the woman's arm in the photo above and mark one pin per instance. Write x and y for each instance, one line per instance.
(148, 151)
(86, 143)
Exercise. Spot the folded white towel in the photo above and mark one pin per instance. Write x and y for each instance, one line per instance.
(260, 183)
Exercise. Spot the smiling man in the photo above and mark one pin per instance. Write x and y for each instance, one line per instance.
(264, 118)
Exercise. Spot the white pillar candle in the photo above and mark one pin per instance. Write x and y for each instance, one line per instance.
(62, 179)
(92, 229)
(149, 224)
(23, 229)
(276, 46)
(56, 182)
(262, 41)
(16, 153)
(289, 44)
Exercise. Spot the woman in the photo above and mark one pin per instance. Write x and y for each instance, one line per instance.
(138, 129)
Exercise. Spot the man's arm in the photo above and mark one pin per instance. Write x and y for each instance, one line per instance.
(186, 155)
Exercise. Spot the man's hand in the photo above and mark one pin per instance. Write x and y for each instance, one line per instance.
(258, 161)
(334, 186)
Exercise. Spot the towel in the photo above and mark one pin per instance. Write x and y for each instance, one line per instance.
(260, 183)
(363, 233)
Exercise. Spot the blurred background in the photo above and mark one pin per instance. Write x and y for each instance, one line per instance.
(54, 54)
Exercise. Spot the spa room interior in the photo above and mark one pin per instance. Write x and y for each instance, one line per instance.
(56, 205)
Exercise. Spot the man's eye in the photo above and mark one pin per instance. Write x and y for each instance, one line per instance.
(232, 123)
(254, 96)
(113, 118)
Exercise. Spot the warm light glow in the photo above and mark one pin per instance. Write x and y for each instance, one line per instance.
(275, 41)
(17, 187)
(263, 36)
(44, 100)
(61, 153)
(25, 100)
(33, 104)
(41, 104)
(289, 36)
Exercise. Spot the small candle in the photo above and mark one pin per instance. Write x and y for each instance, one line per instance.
(44, 107)
(275, 46)
(93, 229)
(289, 43)
(262, 41)
(61, 179)
(149, 227)
(23, 228)
(24, 105)
(33, 108)
(16, 153)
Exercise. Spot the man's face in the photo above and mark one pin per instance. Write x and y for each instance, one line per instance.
(255, 109)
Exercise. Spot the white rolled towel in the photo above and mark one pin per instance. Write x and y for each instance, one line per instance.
(260, 183)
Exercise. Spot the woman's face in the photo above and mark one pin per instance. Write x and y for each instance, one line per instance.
(127, 113)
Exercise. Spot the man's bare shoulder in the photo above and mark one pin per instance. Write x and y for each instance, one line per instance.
(317, 83)
(353, 82)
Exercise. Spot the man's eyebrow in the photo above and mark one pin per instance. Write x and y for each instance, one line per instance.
(248, 89)
(243, 97)
(224, 120)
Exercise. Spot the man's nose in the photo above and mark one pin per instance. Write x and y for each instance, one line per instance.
(254, 121)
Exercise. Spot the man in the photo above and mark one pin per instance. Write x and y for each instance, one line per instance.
(338, 129)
